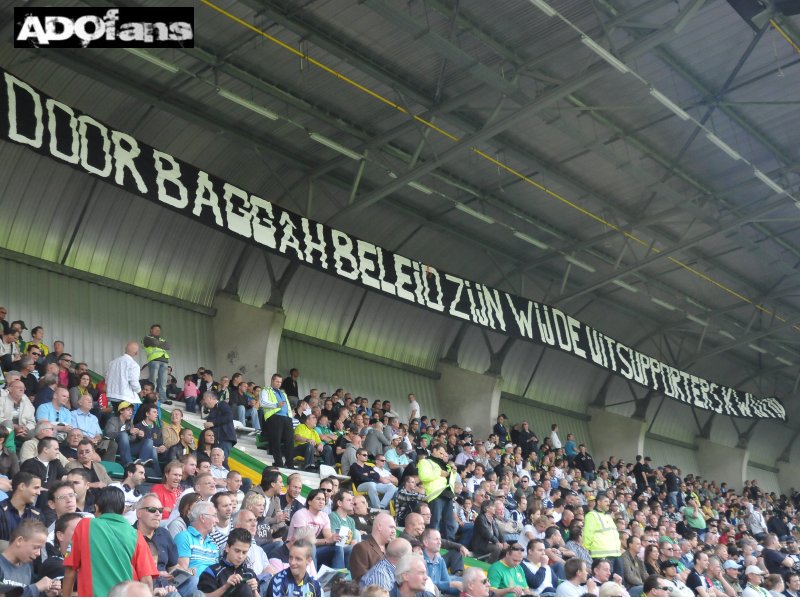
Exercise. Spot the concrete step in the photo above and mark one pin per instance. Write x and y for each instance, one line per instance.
(246, 442)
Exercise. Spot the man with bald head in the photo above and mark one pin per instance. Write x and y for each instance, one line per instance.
(369, 552)
(122, 377)
(382, 573)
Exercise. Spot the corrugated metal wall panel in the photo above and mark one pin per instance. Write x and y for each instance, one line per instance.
(401, 332)
(254, 285)
(663, 453)
(768, 441)
(618, 397)
(540, 421)
(767, 480)
(95, 322)
(473, 354)
(121, 236)
(723, 432)
(518, 366)
(320, 306)
(328, 370)
(564, 381)
(674, 420)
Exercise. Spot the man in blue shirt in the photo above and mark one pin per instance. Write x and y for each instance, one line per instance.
(435, 565)
(86, 421)
(196, 550)
(57, 411)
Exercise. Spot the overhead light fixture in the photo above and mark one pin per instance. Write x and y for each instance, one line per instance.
(328, 142)
(666, 102)
(605, 54)
(783, 361)
(544, 7)
(697, 320)
(391, 174)
(723, 146)
(769, 182)
(475, 214)
(530, 240)
(758, 349)
(663, 304)
(420, 188)
(245, 103)
(726, 334)
(624, 285)
(153, 59)
(579, 263)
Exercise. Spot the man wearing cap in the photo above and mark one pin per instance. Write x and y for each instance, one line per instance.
(730, 574)
(755, 577)
(130, 440)
(122, 377)
(467, 453)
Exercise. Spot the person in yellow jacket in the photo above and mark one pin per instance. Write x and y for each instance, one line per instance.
(600, 534)
(156, 348)
(439, 480)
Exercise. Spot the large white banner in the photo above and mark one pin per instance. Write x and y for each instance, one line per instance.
(30, 118)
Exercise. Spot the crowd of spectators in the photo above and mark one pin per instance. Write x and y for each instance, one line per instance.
(415, 503)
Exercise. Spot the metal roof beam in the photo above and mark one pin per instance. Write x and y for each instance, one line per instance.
(491, 130)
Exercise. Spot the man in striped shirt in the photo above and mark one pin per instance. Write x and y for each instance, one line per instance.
(382, 573)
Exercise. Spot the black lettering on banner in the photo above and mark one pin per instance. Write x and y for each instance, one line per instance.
(31, 119)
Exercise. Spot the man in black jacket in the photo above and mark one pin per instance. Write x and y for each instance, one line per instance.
(220, 419)
(45, 465)
(584, 461)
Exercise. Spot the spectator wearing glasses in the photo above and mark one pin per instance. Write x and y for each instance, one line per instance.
(62, 500)
(66, 377)
(26, 367)
(475, 583)
(656, 587)
(149, 516)
(196, 549)
(37, 339)
(368, 481)
(87, 459)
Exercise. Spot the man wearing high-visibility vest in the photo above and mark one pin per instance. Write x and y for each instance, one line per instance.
(600, 534)
(155, 348)
(276, 424)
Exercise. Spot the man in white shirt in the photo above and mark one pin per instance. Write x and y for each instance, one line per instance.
(538, 574)
(122, 377)
(413, 408)
(134, 477)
